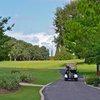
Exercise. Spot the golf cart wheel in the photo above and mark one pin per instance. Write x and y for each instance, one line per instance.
(76, 79)
(66, 79)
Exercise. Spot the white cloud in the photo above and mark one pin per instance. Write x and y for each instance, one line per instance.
(41, 39)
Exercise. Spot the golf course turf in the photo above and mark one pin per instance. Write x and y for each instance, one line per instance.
(43, 72)
(24, 93)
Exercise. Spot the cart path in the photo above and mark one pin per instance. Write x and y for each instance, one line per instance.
(70, 90)
(29, 84)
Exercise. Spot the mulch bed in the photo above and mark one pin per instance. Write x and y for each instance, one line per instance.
(4, 91)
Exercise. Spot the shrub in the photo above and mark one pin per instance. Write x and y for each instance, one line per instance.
(26, 77)
(96, 82)
(92, 80)
(89, 80)
(90, 60)
(15, 71)
(63, 54)
(98, 59)
(9, 82)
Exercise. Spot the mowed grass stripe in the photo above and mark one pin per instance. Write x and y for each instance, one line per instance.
(36, 64)
(87, 69)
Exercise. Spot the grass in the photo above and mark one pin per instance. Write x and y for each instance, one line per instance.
(39, 69)
(36, 64)
(42, 76)
(87, 69)
(24, 93)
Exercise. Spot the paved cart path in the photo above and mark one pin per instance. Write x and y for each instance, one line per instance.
(70, 90)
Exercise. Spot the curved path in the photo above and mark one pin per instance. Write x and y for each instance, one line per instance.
(70, 90)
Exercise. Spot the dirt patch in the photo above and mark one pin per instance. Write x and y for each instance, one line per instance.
(30, 81)
(4, 91)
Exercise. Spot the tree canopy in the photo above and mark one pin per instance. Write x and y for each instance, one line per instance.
(78, 26)
(20, 50)
(3, 37)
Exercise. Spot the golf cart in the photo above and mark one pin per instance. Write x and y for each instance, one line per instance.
(71, 72)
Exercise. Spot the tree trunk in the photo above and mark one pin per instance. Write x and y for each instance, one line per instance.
(15, 59)
(10, 58)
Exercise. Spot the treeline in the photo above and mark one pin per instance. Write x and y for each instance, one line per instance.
(12, 49)
(20, 50)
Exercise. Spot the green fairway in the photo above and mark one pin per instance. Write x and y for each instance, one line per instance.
(39, 69)
(87, 69)
(24, 93)
(36, 64)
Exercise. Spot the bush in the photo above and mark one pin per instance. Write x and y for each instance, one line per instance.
(26, 77)
(94, 59)
(98, 59)
(90, 60)
(89, 80)
(15, 71)
(92, 80)
(96, 82)
(9, 82)
(63, 54)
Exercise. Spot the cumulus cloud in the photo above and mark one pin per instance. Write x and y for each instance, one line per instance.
(41, 39)
(35, 40)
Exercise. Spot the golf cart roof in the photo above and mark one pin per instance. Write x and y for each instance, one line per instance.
(72, 65)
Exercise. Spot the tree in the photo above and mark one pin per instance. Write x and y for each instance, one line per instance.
(20, 50)
(81, 26)
(44, 53)
(40, 53)
(63, 55)
(3, 38)
(16, 51)
(61, 15)
(58, 22)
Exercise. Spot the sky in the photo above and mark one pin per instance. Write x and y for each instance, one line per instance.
(33, 20)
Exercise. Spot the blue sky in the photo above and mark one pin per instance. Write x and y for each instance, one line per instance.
(31, 17)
